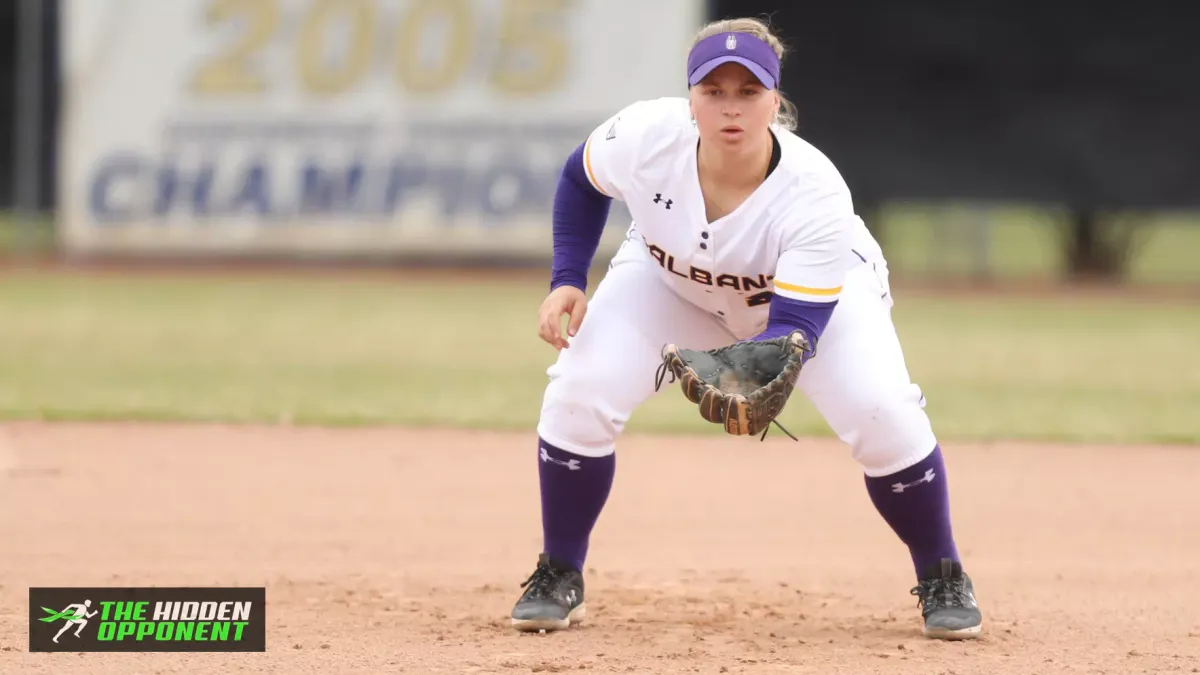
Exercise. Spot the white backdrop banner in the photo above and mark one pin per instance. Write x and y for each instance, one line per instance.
(343, 127)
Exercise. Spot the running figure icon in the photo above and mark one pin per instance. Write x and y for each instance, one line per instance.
(80, 613)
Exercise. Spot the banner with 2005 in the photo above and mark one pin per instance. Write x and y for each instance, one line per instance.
(343, 127)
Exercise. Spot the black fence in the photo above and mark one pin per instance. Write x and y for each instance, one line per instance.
(16, 16)
(1094, 105)
(1089, 107)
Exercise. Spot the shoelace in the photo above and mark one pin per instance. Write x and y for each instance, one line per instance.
(938, 593)
(661, 375)
(541, 577)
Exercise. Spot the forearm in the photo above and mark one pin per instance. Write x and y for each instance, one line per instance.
(788, 314)
(580, 212)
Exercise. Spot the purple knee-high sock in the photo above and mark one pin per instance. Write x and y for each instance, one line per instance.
(915, 502)
(574, 490)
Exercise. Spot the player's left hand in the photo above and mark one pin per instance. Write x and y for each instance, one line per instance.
(743, 386)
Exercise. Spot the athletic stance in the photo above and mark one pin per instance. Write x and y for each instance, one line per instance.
(741, 231)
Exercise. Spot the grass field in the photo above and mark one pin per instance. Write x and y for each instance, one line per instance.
(948, 242)
(339, 351)
(402, 550)
(1007, 244)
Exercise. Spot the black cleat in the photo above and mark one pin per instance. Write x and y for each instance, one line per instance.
(553, 598)
(947, 600)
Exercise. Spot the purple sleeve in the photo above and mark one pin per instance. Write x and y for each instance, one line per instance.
(580, 211)
(787, 315)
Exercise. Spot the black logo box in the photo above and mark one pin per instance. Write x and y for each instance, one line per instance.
(41, 633)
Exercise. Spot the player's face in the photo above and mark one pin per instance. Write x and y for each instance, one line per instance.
(732, 108)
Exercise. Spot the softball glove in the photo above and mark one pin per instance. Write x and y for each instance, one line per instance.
(743, 386)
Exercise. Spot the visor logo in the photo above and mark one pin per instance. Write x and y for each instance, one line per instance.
(731, 42)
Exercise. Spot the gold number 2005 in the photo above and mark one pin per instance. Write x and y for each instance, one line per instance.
(531, 56)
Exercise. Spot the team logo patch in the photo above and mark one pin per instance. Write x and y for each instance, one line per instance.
(731, 42)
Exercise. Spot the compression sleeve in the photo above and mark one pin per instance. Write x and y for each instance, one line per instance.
(580, 212)
(813, 264)
(788, 314)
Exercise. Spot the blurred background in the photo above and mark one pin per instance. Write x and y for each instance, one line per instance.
(989, 145)
(984, 141)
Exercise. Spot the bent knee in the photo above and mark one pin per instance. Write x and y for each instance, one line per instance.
(888, 432)
(578, 417)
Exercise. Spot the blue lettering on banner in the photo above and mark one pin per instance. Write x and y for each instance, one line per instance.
(326, 190)
(276, 185)
(407, 174)
(252, 190)
(505, 186)
(120, 170)
(174, 184)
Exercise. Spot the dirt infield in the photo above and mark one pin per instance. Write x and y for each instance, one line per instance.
(388, 551)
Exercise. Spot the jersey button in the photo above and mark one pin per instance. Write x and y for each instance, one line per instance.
(704, 235)
(703, 245)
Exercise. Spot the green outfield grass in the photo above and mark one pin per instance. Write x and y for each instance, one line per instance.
(327, 351)
(1013, 243)
(25, 237)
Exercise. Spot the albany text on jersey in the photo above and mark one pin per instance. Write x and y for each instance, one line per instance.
(797, 230)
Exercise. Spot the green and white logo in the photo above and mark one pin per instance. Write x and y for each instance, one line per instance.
(147, 619)
(74, 615)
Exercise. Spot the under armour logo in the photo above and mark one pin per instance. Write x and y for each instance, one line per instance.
(572, 464)
(658, 198)
(927, 478)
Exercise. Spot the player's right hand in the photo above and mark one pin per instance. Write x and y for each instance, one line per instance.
(562, 300)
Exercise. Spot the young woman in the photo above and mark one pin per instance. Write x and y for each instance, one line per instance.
(741, 231)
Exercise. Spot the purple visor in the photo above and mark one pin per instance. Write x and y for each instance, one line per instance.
(756, 55)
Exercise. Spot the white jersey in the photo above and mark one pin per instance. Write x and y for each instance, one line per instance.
(796, 235)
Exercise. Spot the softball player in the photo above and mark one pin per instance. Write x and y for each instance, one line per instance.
(741, 231)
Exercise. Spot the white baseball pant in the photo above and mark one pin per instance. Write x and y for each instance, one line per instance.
(858, 379)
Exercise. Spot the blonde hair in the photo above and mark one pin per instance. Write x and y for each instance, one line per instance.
(786, 116)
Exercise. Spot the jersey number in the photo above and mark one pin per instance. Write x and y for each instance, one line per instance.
(759, 299)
